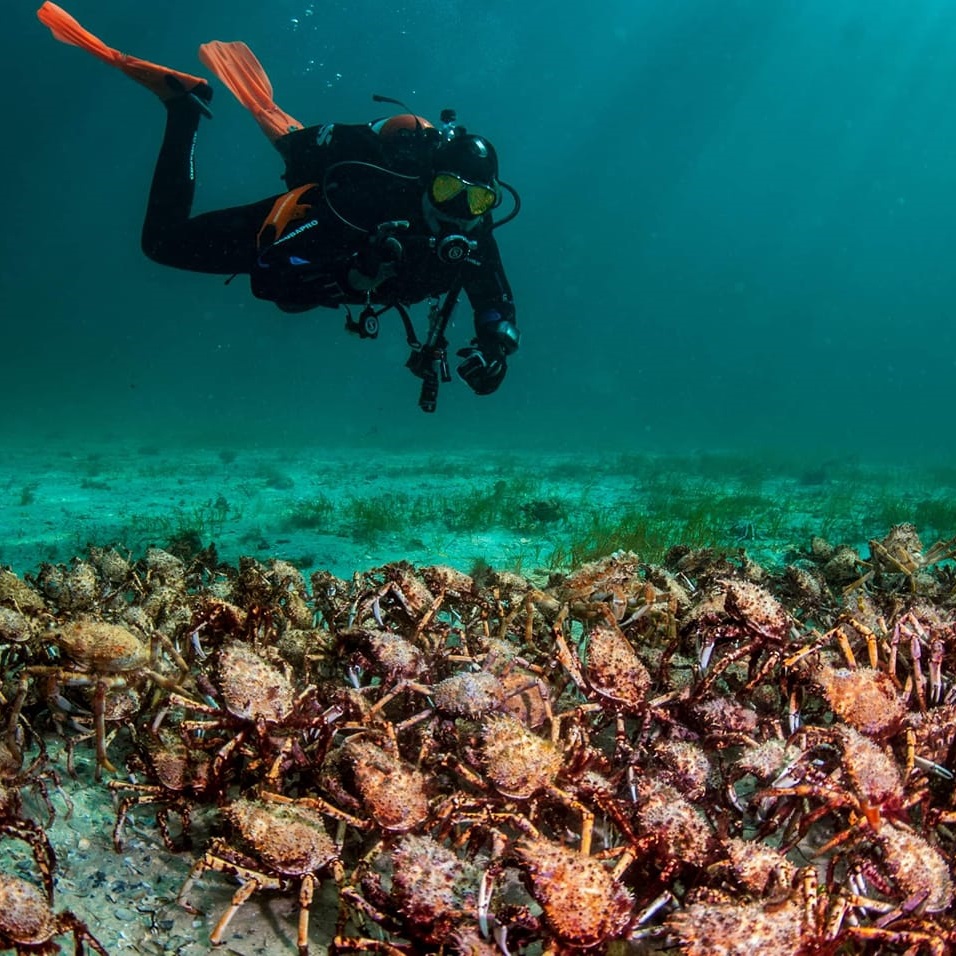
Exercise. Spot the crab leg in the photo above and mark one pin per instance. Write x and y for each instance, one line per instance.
(916, 651)
(485, 889)
(99, 714)
(238, 898)
(306, 892)
(936, 651)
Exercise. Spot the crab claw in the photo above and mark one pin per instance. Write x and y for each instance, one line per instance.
(484, 902)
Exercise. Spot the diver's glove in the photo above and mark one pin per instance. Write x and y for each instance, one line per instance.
(378, 259)
(484, 362)
(481, 371)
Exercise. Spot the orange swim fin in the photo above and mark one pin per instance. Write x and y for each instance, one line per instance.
(236, 65)
(163, 81)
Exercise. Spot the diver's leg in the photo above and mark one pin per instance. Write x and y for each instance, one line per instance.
(174, 179)
(221, 242)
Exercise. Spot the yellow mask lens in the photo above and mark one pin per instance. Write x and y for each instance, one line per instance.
(481, 199)
(446, 186)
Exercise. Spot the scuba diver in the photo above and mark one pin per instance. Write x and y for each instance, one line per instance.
(379, 215)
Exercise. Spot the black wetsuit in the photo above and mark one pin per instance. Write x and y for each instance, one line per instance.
(305, 262)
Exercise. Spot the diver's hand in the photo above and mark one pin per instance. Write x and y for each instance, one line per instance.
(482, 371)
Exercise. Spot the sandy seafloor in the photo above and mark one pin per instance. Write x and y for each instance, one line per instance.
(349, 510)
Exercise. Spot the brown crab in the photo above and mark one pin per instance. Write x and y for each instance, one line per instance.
(17, 594)
(176, 777)
(522, 767)
(383, 653)
(809, 919)
(258, 706)
(29, 925)
(213, 623)
(333, 598)
(876, 696)
(745, 615)
(281, 844)
(908, 867)
(278, 588)
(106, 658)
(457, 589)
(607, 672)
(611, 584)
(901, 556)
(934, 740)
(868, 784)
(13, 823)
(760, 870)
(584, 903)
(395, 594)
(467, 693)
(712, 922)
(420, 889)
(864, 698)
(673, 833)
(368, 776)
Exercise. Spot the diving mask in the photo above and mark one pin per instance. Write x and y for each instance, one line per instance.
(446, 186)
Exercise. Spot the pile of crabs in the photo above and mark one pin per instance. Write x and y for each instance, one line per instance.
(701, 756)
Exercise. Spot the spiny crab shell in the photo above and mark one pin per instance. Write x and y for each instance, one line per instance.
(289, 840)
(17, 594)
(871, 769)
(865, 698)
(519, 763)
(362, 773)
(176, 766)
(760, 868)
(756, 608)
(251, 687)
(614, 669)
(389, 652)
(917, 867)
(433, 888)
(25, 918)
(454, 583)
(412, 594)
(469, 694)
(617, 570)
(728, 928)
(902, 544)
(679, 826)
(103, 647)
(582, 902)
(15, 628)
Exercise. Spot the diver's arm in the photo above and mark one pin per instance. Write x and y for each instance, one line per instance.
(485, 362)
(489, 293)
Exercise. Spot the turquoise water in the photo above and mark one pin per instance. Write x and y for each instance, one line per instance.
(733, 271)
(737, 228)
